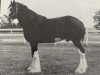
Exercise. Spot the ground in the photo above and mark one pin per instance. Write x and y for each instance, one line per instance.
(15, 58)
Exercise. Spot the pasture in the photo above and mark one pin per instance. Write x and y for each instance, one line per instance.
(55, 60)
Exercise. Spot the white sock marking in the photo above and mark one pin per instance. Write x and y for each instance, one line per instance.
(83, 64)
(35, 65)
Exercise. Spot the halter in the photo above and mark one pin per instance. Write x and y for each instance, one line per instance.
(16, 11)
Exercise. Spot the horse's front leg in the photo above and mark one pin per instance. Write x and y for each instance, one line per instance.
(35, 65)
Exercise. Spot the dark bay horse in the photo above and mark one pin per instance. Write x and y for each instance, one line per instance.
(39, 29)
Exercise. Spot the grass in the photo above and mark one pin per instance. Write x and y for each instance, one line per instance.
(55, 60)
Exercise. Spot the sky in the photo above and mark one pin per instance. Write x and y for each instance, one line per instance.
(0, 5)
(81, 9)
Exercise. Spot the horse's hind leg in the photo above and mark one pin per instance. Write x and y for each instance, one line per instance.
(83, 63)
(35, 65)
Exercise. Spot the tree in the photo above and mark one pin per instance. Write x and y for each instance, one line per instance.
(6, 24)
(97, 20)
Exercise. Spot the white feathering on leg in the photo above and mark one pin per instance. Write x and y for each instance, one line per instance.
(37, 63)
(35, 66)
(82, 65)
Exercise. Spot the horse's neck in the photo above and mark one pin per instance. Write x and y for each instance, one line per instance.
(25, 18)
(30, 20)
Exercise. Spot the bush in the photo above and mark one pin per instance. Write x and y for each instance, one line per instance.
(10, 25)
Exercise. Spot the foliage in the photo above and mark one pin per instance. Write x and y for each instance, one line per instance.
(6, 24)
(10, 25)
(97, 20)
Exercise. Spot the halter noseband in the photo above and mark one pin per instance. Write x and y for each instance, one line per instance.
(16, 11)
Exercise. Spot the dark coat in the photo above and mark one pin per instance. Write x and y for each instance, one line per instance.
(40, 29)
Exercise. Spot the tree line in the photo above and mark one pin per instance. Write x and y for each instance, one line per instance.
(96, 18)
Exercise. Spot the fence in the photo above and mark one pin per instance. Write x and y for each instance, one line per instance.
(94, 35)
(15, 33)
(12, 33)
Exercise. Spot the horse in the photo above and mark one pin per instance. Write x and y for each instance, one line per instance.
(40, 29)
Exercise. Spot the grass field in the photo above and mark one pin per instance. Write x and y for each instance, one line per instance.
(55, 60)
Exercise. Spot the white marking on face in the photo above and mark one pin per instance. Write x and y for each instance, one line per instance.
(15, 21)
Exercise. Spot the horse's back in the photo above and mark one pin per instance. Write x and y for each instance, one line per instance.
(66, 27)
(47, 30)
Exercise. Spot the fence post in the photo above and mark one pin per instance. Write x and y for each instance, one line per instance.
(11, 31)
(87, 39)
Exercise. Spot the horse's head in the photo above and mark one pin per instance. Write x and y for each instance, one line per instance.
(13, 10)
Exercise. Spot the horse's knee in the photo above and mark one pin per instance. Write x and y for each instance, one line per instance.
(79, 46)
(82, 50)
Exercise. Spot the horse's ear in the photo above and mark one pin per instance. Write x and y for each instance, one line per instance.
(10, 4)
(13, 0)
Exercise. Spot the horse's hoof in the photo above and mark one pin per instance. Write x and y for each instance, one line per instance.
(80, 70)
(29, 68)
(34, 70)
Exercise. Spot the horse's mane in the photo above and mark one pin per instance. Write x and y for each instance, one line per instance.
(25, 8)
(29, 10)
(20, 4)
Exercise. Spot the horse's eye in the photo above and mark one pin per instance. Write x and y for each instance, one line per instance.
(11, 9)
